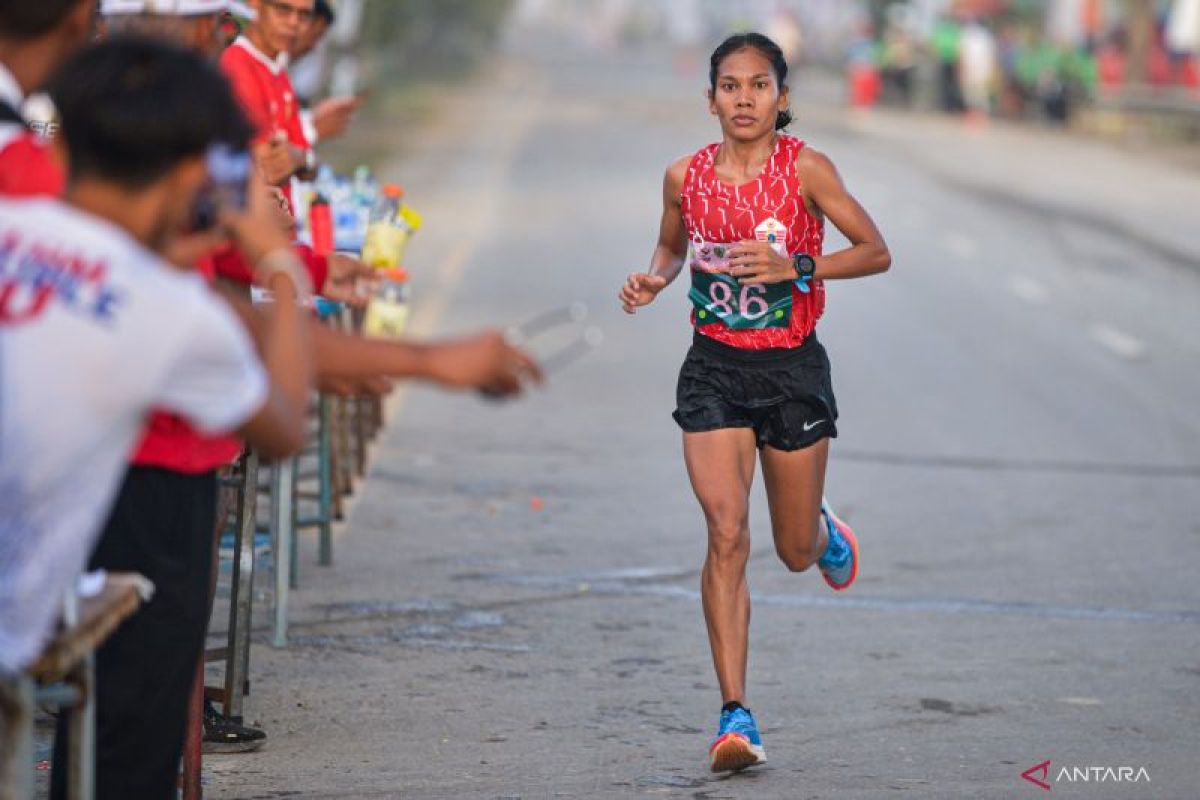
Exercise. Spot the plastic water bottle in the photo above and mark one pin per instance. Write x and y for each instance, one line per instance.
(387, 205)
(387, 233)
(387, 311)
(326, 182)
(363, 197)
(364, 186)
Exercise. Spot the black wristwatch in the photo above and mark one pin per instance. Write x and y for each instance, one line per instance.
(805, 266)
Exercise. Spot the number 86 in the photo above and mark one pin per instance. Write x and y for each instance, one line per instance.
(751, 305)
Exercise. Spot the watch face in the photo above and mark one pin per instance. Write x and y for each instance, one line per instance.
(805, 265)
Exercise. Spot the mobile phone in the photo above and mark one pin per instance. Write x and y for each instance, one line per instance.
(226, 186)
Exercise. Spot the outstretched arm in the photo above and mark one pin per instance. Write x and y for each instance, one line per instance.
(482, 361)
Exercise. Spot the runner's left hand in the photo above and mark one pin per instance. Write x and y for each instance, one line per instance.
(756, 262)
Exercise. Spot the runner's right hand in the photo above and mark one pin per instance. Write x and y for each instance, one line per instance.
(640, 289)
(485, 362)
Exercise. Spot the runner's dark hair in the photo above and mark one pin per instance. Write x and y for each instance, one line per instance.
(132, 108)
(26, 20)
(323, 10)
(756, 41)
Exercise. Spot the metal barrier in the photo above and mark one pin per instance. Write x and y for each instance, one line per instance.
(236, 652)
(344, 429)
(63, 677)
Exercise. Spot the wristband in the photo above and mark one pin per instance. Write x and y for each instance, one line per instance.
(283, 261)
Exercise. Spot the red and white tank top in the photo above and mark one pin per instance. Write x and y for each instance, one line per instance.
(717, 214)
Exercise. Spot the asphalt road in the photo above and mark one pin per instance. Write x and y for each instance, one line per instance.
(514, 609)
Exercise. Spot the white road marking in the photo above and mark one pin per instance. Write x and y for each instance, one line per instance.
(1118, 342)
(1029, 290)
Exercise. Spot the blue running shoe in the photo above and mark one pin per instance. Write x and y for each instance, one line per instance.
(738, 744)
(839, 565)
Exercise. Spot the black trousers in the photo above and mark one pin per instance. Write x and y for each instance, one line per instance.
(161, 526)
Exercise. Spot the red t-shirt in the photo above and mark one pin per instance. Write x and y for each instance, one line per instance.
(27, 167)
(265, 91)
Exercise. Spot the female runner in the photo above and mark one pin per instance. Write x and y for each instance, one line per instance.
(752, 208)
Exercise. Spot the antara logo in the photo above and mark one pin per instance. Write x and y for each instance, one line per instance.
(1039, 775)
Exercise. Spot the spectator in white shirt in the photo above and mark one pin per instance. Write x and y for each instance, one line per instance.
(96, 329)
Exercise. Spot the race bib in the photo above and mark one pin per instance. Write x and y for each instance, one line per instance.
(718, 297)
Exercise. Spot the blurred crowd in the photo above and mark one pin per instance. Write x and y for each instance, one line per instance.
(1018, 61)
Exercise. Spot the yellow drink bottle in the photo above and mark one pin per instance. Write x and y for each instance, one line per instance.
(387, 312)
(387, 232)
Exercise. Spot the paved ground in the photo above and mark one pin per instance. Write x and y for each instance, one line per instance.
(514, 607)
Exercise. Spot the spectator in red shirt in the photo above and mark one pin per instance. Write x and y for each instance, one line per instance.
(256, 64)
(35, 38)
(194, 24)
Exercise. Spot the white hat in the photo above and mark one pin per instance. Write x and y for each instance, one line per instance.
(241, 9)
(177, 8)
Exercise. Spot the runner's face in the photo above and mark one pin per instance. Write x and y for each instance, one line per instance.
(747, 97)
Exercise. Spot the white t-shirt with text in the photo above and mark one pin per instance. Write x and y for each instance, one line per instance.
(95, 331)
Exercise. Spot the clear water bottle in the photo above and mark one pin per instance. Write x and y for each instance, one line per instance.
(388, 309)
(363, 196)
(326, 182)
(365, 190)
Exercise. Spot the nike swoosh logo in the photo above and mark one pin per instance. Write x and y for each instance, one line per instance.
(808, 426)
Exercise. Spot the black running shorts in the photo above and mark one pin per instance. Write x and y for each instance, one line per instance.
(784, 395)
